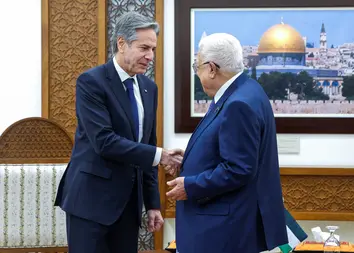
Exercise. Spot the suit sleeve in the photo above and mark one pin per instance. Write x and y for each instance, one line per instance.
(239, 140)
(150, 178)
(94, 117)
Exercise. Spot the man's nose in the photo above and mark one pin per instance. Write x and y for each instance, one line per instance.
(150, 55)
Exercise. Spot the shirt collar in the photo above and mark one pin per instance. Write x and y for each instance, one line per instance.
(224, 87)
(122, 74)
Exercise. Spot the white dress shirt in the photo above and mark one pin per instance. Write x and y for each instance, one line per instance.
(224, 87)
(124, 76)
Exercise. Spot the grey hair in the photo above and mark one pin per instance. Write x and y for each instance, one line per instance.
(127, 25)
(224, 50)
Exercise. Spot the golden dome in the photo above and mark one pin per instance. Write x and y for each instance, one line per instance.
(281, 38)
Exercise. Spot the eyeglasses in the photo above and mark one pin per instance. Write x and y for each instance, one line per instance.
(196, 67)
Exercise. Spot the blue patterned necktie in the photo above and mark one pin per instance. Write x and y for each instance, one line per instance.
(130, 91)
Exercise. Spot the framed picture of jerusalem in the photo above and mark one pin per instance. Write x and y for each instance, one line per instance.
(301, 53)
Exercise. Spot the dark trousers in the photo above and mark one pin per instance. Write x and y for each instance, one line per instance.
(86, 236)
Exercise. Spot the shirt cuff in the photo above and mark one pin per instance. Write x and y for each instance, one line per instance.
(157, 156)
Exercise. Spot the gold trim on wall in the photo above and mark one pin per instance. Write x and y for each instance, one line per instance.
(45, 59)
(102, 31)
(317, 171)
(159, 5)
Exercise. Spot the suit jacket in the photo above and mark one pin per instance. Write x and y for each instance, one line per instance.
(106, 158)
(232, 177)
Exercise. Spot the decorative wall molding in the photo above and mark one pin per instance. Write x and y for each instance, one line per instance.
(312, 193)
(72, 42)
(319, 193)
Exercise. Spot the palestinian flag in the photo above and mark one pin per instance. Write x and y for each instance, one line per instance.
(295, 233)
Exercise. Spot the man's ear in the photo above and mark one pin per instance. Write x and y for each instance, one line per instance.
(212, 73)
(121, 44)
(212, 70)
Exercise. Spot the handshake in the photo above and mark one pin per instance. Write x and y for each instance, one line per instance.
(172, 160)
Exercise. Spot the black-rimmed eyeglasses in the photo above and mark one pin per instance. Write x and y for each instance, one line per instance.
(196, 67)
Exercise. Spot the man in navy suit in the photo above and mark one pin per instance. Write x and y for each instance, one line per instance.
(229, 196)
(113, 167)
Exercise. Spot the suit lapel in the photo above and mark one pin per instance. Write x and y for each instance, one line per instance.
(205, 122)
(200, 128)
(118, 90)
(144, 97)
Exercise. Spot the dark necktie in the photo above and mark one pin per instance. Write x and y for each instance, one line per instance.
(130, 90)
(211, 107)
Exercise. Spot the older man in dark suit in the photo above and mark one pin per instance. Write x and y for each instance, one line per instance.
(229, 196)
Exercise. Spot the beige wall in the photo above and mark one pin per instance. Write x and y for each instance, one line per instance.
(20, 62)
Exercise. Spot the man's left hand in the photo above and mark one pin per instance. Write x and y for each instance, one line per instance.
(155, 220)
(178, 192)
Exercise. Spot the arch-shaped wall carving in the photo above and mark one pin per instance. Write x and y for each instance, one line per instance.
(35, 140)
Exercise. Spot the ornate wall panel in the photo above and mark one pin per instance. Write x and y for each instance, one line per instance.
(319, 194)
(73, 48)
(312, 193)
(315, 194)
(71, 45)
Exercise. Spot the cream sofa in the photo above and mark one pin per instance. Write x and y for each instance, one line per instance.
(34, 153)
(27, 214)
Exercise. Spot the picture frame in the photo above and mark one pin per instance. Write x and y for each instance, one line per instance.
(185, 122)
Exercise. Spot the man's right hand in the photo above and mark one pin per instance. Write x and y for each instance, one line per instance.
(172, 160)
